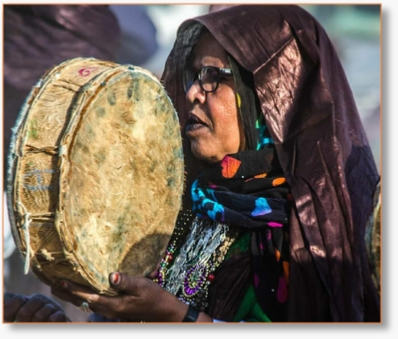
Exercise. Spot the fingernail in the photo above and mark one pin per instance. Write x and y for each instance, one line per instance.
(115, 278)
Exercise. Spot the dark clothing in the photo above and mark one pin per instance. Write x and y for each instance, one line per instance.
(321, 145)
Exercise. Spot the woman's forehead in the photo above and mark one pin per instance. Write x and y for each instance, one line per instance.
(208, 52)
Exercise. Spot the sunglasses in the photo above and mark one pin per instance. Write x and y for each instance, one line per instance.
(208, 76)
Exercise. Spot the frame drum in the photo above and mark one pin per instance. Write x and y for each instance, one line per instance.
(96, 173)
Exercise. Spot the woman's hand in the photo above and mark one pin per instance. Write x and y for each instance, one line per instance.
(140, 299)
(36, 308)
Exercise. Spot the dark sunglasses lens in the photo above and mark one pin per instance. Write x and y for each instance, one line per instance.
(209, 78)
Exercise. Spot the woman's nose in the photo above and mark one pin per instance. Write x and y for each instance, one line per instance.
(195, 92)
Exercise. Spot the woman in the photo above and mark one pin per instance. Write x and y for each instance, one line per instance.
(280, 181)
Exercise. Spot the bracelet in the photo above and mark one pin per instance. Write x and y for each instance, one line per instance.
(192, 315)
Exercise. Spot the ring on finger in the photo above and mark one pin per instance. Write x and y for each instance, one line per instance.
(84, 307)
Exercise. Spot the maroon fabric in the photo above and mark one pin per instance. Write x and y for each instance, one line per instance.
(323, 150)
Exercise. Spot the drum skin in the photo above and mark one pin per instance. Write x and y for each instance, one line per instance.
(96, 173)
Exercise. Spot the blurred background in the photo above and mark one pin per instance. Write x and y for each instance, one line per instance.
(38, 37)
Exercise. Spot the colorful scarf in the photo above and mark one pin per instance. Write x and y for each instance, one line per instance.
(242, 190)
(247, 190)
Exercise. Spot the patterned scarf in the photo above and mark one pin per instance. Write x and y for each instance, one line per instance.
(248, 190)
(242, 190)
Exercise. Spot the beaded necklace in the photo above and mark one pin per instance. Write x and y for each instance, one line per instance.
(188, 276)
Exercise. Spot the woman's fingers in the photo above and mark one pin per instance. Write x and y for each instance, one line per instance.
(67, 296)
(139, 298)
(102, 304)
(134, 286)
(79, 293)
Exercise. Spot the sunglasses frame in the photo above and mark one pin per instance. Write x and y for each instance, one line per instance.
(198, 75)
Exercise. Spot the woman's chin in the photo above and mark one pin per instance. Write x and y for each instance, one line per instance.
(204, 155)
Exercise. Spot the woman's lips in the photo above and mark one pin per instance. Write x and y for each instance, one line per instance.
(194, 123)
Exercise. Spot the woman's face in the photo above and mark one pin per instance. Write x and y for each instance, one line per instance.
(213, 125)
